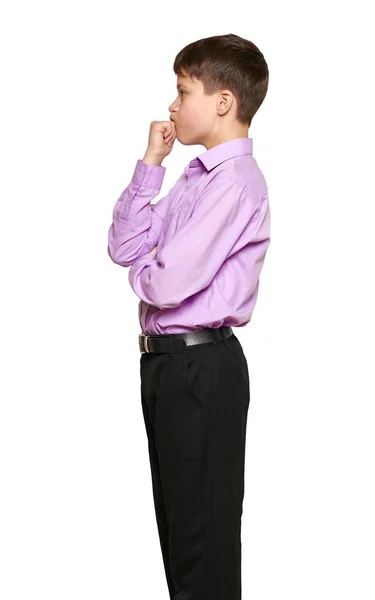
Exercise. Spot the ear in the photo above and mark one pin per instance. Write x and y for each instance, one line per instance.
(225, 101)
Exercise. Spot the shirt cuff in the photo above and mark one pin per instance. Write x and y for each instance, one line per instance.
(148, 175)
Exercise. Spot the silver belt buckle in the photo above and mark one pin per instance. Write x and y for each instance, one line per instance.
(145, 342)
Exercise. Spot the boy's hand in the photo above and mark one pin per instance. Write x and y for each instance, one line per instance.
(161, 139)
(153, 251)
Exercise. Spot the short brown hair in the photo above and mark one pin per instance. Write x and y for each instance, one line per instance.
(227, 61)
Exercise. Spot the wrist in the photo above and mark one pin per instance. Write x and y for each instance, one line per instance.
(152, 159)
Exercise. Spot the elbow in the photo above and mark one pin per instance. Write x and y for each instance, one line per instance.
(164, 301)
(172, 291)
(121, 251)
(118, 259)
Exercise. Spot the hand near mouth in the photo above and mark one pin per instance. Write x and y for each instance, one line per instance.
(161, 138)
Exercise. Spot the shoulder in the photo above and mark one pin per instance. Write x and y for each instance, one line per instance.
(243, 172)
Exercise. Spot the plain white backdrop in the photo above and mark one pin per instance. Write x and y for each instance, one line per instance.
(81, 83)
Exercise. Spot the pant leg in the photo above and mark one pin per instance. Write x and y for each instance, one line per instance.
(148, 409)
(225, 410)
(199, 401)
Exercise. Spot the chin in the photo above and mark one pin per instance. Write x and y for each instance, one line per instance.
(187, 142)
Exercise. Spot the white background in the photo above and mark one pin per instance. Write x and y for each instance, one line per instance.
(81, 83)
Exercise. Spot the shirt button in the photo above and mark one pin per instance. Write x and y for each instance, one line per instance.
(140, 173)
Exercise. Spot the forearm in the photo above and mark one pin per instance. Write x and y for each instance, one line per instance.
(135, 223)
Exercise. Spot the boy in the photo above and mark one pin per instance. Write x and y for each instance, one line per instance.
(195, 258)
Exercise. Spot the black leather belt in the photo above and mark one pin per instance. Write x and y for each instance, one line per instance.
(175, 342)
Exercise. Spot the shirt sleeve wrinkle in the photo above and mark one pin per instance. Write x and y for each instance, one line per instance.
(190, 260)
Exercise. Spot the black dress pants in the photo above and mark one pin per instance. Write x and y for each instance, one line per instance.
(195, 403)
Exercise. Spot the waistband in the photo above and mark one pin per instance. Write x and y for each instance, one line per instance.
(175, 342)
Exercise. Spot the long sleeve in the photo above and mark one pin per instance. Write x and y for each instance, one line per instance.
(137, 223)
(189, 261)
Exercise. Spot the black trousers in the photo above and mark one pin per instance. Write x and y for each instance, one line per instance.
(195, 405)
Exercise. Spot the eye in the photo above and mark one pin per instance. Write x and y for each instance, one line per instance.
(182, 92)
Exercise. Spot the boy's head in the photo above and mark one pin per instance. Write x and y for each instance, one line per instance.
(222, 81)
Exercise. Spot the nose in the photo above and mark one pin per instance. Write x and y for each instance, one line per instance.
(170, 108)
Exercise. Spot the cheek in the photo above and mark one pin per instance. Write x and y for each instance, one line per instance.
(197, 115)
(203, 111)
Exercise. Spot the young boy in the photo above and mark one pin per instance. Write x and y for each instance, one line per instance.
(195, 259)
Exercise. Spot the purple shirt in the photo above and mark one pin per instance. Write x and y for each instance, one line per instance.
(212, 230)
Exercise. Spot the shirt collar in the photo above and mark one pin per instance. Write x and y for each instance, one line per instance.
(218, 154)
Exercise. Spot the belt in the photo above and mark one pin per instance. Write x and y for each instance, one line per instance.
(175, 342)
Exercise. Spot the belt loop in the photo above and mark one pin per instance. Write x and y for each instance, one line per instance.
(223, 336)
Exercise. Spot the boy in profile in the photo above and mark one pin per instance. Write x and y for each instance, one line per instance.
(195, 260)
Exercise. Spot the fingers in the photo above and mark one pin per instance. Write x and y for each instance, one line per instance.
(169, 138)
(170, 134)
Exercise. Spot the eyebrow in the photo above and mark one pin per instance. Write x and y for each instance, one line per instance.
(179, 85)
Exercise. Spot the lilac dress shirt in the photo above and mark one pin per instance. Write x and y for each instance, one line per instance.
(212, 231)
